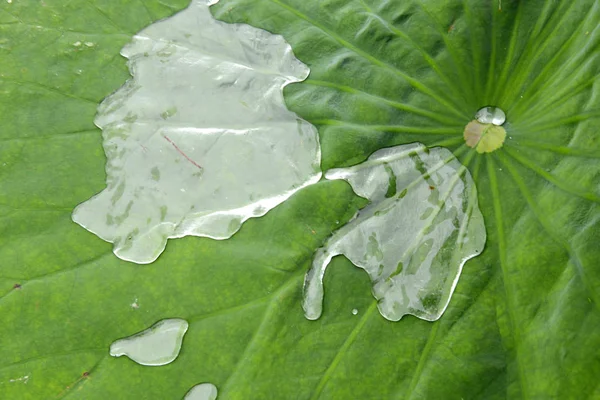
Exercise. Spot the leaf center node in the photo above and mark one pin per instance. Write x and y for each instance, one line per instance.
(485, 133)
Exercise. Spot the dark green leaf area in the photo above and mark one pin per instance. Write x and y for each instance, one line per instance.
(393, 72)
(524, 319)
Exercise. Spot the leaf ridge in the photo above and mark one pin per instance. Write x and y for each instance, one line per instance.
(64, 270)
(238, 307)
(559, 71)
(546, 226)
(342, 350)
(560, 97)
(80, 380)
(106, 16)
(559, 150)
(431, 61)
(151, 17)
(270, 309)
(49, 89)
(516, 331)
(390, 128)
(369, 57)
(449, 46)
(20, 22)
(59, 354)
(548, 177)
(26, 139)
(429, 345)
(475, 59)
(493, 55)
(539, 48)
(558, 122)
(511, 52)
(400, 106)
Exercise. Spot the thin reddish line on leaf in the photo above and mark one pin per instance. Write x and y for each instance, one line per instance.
(182, 153)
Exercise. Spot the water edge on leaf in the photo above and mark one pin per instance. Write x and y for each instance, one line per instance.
(412, 244)
(200, 139)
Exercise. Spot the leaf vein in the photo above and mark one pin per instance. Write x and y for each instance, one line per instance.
(372, 59)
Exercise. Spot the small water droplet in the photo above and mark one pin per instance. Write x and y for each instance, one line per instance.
(354, 311)
(89, 44)
(491, 115)
(135, 305)
(158, 345)
(203, 391)
(77, 43)
(24, 379)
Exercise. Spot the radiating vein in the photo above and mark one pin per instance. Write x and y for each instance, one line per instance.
(559, 97)
(476, 51)
(343, 350)
(510, 56)
(238, 307)
(390, 128)
(81, 380)
(523, 72)
(559, 150)
(492, 63)
(552, 123)
(25, 281)
(550, 178)
(431, 61)
(396, 104)
(270, 310)
(429, 345)
(550, 80)
(545, 224)
(151, 17)
(106, 16)
(67, 135)
(70, 31)
(507, 284)
(451, 142)
(49, 89)
(53, 355)
(372, 59)
(467, 87)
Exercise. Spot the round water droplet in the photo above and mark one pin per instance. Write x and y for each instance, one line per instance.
(491, 115)
(203, 391)
(354, 311)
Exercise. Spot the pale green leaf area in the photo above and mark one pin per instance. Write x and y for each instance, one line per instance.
(524, 321)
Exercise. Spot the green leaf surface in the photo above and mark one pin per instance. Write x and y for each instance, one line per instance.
(524, 321)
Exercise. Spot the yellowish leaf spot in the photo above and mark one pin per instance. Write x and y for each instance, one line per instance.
(484, 138)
